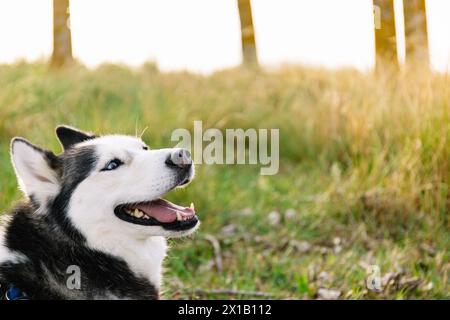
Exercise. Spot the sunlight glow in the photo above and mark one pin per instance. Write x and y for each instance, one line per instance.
(204, 35)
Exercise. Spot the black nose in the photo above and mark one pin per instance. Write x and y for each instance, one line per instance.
(179, 158)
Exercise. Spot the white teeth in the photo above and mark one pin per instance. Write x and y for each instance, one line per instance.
(138, 213)
(192, 206)
(179, 217)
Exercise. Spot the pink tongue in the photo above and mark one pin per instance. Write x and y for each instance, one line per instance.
(164, 211)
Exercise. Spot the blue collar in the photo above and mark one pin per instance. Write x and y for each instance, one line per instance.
(14, 293)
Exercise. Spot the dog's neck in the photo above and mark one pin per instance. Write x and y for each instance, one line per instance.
(144, 257)
(111, 268)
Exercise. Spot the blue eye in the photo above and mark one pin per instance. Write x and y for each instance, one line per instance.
(112, 165)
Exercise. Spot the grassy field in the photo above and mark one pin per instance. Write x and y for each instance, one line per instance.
(364, 172)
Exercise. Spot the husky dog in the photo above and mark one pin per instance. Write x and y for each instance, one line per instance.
(93, 224)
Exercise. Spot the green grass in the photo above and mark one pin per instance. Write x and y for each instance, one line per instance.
(364, 169)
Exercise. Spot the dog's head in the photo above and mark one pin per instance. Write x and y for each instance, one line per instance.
(103, 185)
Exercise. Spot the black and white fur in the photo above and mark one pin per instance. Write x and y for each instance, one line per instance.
(67, 218)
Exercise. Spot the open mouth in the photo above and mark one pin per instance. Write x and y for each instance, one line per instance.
(158, 212)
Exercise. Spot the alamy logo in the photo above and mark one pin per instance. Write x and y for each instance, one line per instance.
(74, 279)
(231, 148)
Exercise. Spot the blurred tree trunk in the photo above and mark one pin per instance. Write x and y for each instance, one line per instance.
(62, 40)
(247, 33)
(416, 36)
(385, 36)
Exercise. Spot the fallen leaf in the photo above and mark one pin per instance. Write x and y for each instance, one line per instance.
(427, 286)
(274, 218)
(328, 294)
(246, 212)
(301, 246)
(290, 214)
(228, 230)
(323, 276)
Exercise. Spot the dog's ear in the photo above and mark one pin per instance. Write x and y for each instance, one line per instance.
(69, 136)
(37, 170)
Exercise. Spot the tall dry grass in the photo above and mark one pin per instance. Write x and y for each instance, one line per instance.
(367, 150)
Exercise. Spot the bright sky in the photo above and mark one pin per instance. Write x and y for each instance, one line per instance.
(204, 35)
